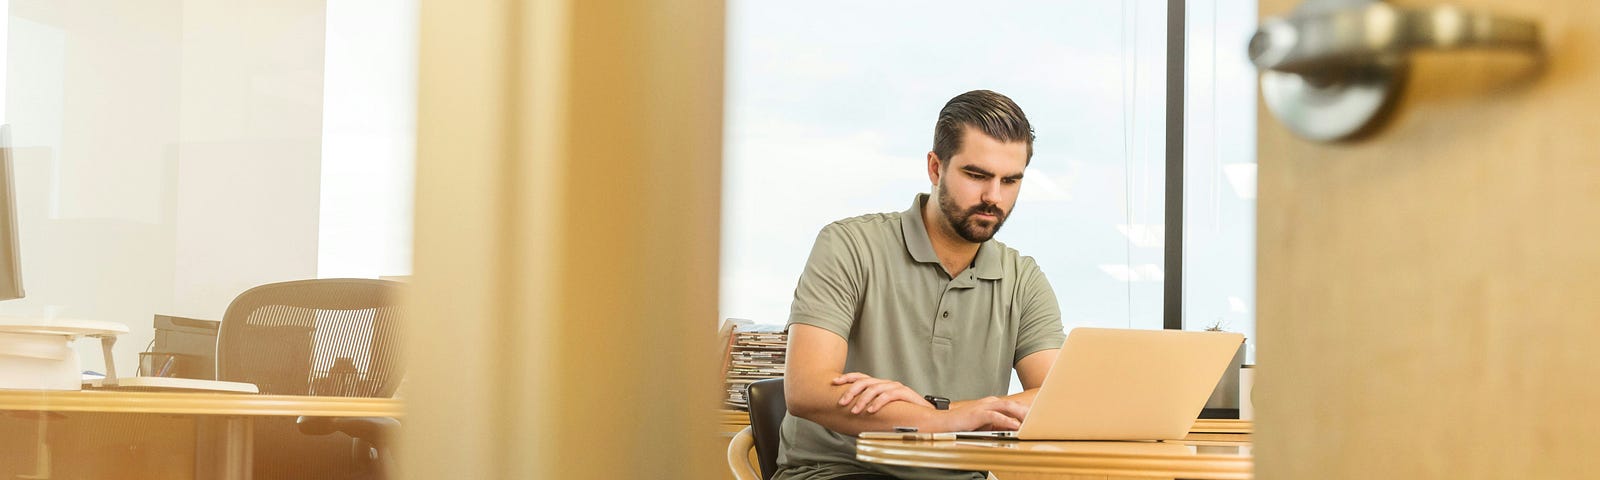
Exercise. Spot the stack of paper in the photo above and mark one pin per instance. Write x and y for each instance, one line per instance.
(754, 352)
(158, 384)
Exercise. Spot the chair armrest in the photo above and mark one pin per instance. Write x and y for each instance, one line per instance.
(739, 455)
(374, 430)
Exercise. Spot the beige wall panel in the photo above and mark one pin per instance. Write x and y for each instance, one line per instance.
(1426, 295)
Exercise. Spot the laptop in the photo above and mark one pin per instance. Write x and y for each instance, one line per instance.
(1123, 384)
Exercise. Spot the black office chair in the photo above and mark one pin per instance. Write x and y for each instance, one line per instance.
(767, 409)
(327, 337)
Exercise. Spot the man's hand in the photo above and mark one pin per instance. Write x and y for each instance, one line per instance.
(988, 413)
(868, 394)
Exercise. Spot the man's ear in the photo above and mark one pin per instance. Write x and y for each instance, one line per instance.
(933, 168)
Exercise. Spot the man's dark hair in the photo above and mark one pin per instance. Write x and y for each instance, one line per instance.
(991, 113)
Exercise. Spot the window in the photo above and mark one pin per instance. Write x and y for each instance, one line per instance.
(829, 115)
(830, 111)
(1219, 169)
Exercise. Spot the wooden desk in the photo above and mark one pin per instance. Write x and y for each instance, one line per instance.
(1219, 449)
(731, 421)
(229, 417)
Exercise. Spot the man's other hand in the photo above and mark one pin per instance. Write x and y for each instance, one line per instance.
(988, 413)
(868, 394)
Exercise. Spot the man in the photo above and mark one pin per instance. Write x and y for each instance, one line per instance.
(898, 306)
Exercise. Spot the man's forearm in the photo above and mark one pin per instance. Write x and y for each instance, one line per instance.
(895, 414)
(1024, 397)
(900, 414)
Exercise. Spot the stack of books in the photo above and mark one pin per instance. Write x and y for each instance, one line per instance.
(753, 352)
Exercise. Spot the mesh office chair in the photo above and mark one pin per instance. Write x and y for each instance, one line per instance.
(326, 337)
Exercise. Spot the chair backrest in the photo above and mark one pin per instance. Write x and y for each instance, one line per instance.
(767, 409)
(328, 337)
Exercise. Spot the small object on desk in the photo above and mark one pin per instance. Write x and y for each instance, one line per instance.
(1247, 381)
(195, 339)
(908, 436)
(161, 364)
(171, 384)
(905, 429)
(1008, 435)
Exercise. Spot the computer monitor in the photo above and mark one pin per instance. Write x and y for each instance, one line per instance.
(10, 253)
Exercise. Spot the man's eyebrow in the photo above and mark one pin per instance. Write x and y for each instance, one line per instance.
(980, 171)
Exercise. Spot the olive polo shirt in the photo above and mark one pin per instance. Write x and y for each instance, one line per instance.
(876, 282)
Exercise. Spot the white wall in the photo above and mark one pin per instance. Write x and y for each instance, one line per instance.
(250, 148)
(167, 155)
(368, 138)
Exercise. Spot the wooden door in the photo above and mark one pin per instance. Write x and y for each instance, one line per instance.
(1429, 296)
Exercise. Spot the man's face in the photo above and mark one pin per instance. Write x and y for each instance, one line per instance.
(978, 185)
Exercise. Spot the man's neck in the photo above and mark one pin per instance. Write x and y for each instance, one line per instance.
(954, 252)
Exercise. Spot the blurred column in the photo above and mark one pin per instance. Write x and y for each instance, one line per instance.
(568, 193)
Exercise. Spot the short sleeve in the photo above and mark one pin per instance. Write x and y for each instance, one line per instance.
(1040, 327)
(830, 287)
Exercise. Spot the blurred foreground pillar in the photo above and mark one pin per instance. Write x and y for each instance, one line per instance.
(567, 202)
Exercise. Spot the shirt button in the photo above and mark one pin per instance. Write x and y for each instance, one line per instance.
(946, 314)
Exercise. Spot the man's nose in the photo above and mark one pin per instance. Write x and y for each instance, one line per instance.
(992, 193)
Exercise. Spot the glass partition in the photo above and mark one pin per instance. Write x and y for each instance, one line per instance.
(169, 155)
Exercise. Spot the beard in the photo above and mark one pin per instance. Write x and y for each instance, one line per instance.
(971, 229)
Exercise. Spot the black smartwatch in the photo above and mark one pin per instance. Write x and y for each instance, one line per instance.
(939, 403)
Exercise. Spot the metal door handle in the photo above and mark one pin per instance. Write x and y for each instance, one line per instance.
(1329, 69)
(1379, 32)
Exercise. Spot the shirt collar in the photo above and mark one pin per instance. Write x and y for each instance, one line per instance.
(985, 266)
